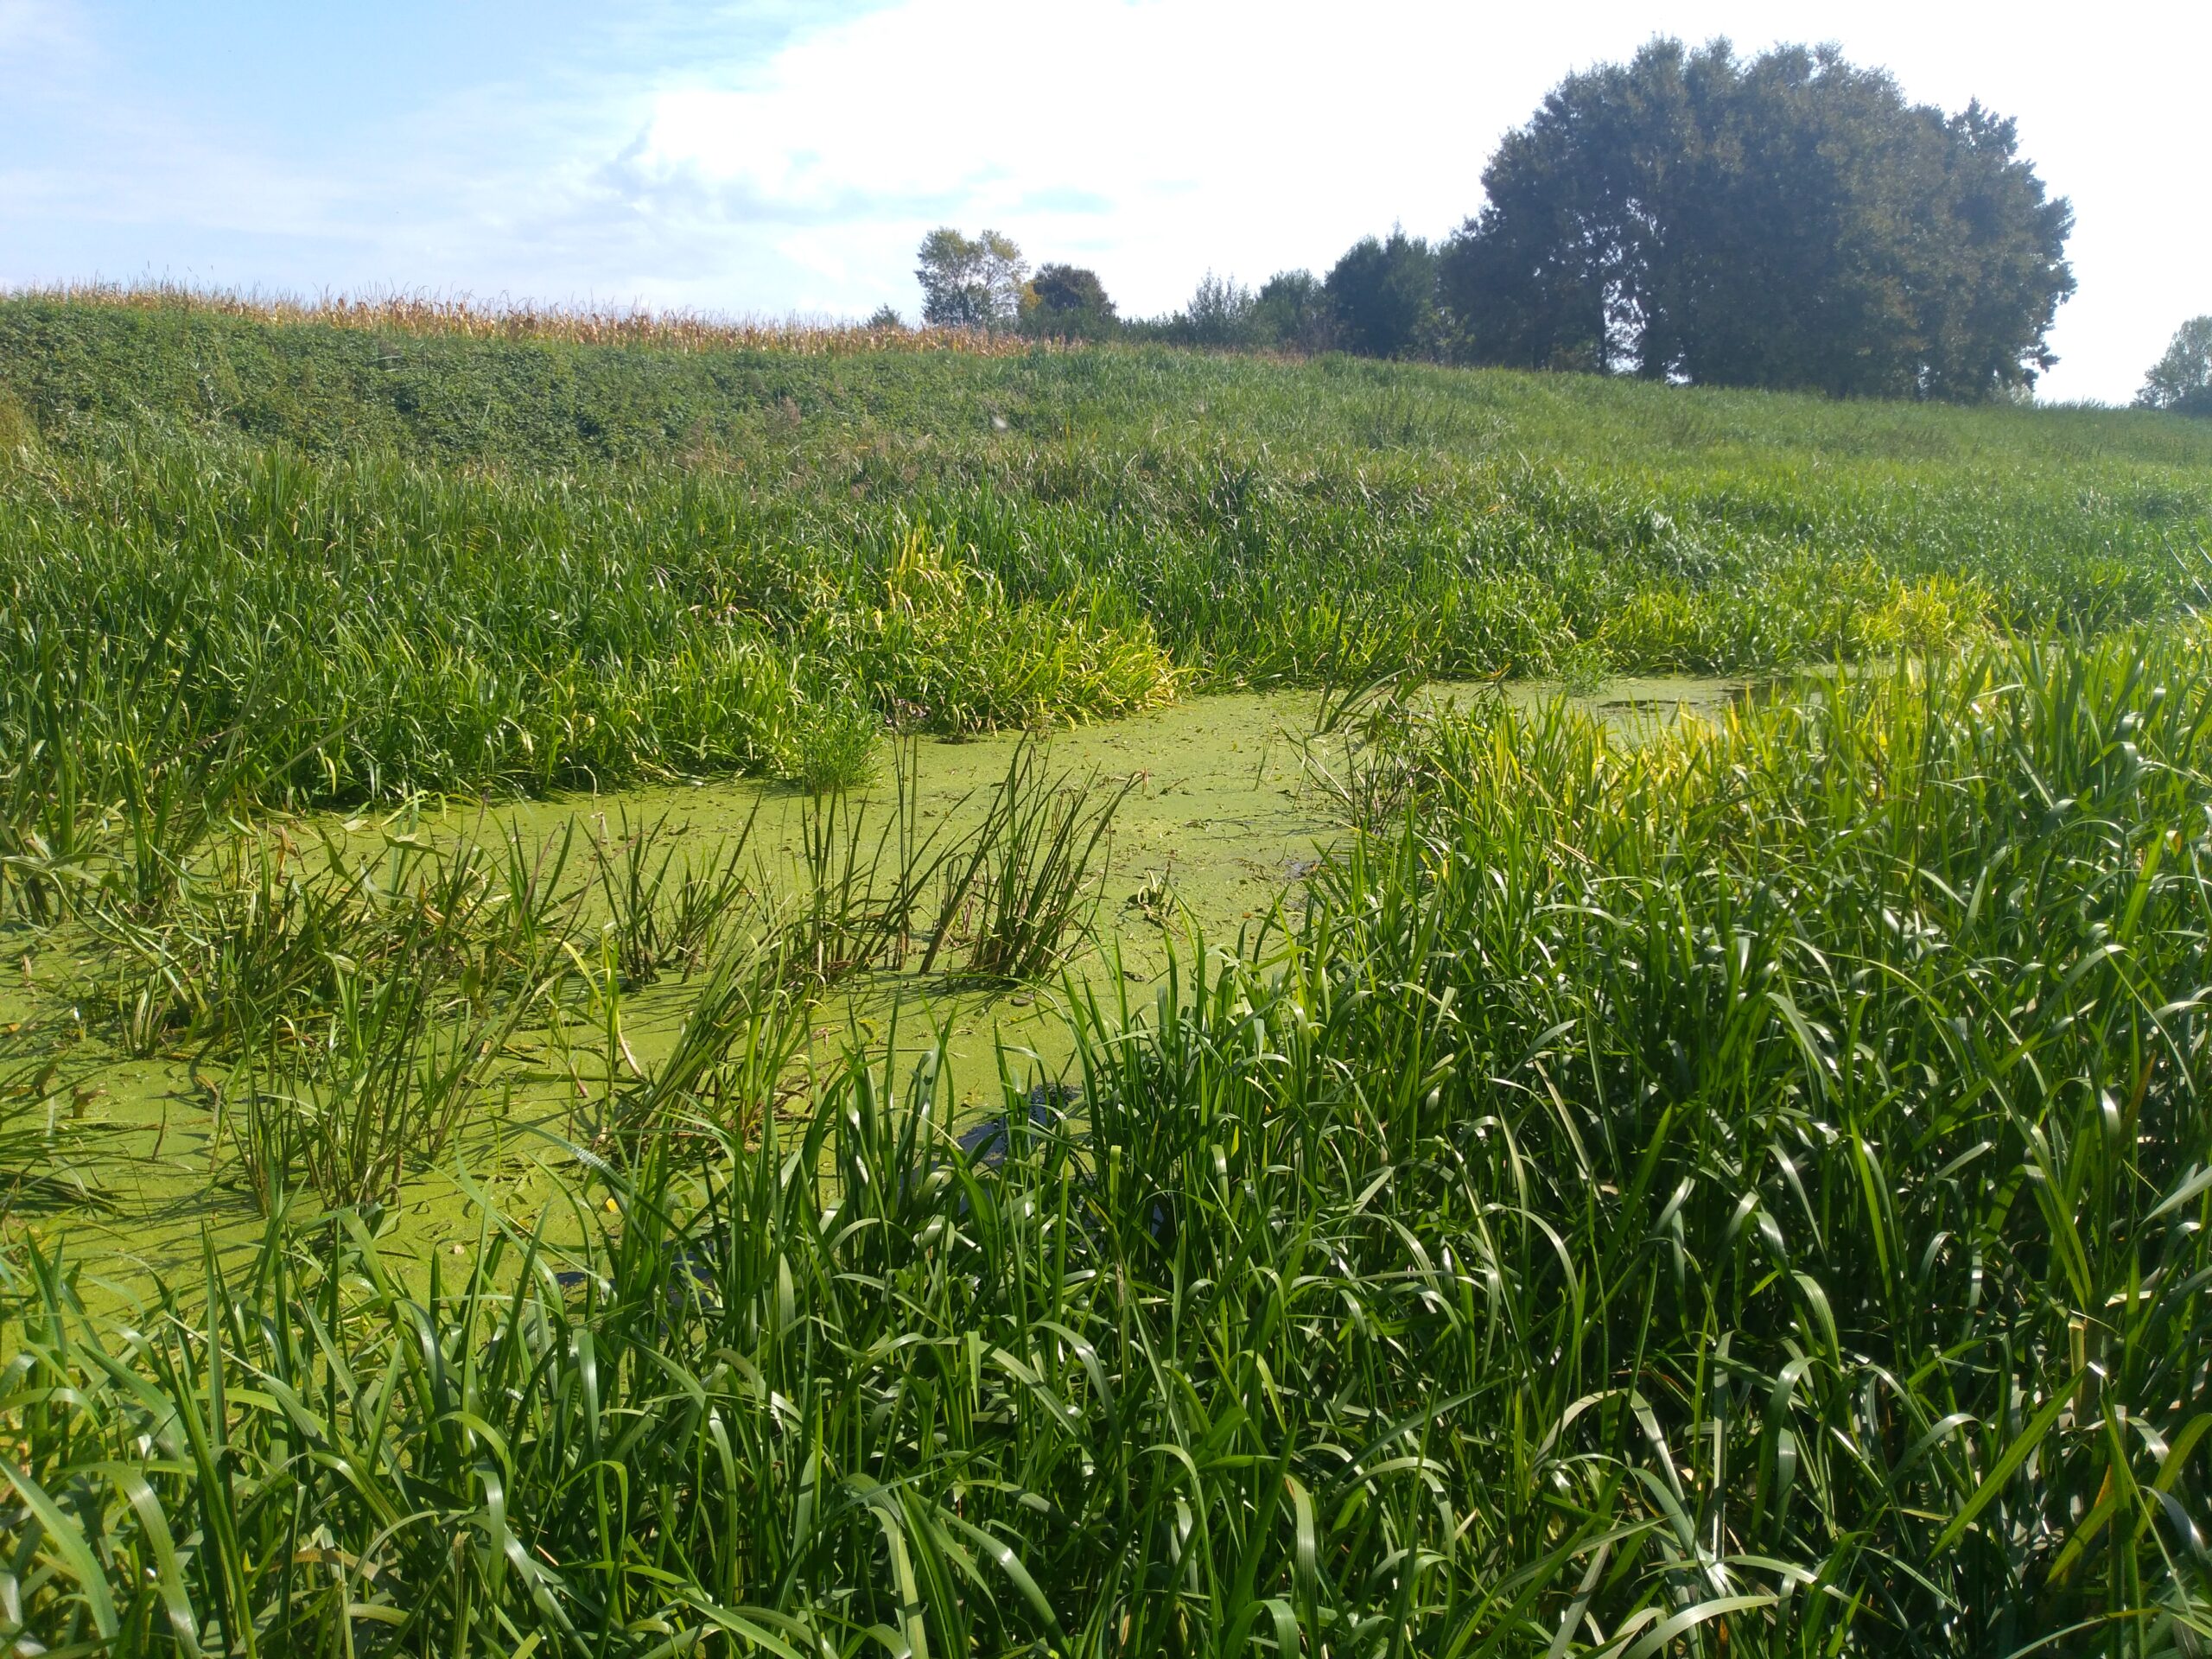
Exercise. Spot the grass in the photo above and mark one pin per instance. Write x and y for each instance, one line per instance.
(668, 906)
(1024, 884)
(370, 628)
(1739, 1190)
(1743, 1191)
(510, 387)
(434, 315)
(749, 560)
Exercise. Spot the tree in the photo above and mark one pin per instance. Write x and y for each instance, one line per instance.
(1292, 312)
(969, 284)
(1383, 296)
(2182, 379)
(884, 317)
(1790, 222)
(1219, 313)
(1068, 303)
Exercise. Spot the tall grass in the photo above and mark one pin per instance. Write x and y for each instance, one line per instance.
(1741, 1193)
(1025, 881)
(262, 930)
(379, 1087)
(354, 631)
(363, 552)
(667, 905)
(426, 314)
(538, 386)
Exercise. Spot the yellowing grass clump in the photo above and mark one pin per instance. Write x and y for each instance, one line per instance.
(465, 316)
(951, 653)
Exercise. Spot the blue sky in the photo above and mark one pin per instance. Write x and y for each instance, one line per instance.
(772, 158)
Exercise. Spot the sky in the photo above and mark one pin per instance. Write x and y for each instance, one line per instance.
(775, 158)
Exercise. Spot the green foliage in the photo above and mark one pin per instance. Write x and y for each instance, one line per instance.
(261, 935)
(1025, 881)
(1383, 297)
(82, 371)
(1740, 1189)
(1787, 222)
(78, 370)
(1220, 312)
(666, 907)
(946, 651)
(1068, 302)
(969, 283)
(704, 563)
(832, 742)
(17, 431)
(1743, 1191)
(1292, 312)
(472, 650)
(377, 1089)
(2181, 380)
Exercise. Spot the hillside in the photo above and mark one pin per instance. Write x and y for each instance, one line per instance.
(440, 560)
(543, 400)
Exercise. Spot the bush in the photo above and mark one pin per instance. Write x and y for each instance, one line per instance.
(1220, 312)
(1291, 313)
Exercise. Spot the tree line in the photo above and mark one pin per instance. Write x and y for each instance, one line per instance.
(1789, 220)
(2180, 381)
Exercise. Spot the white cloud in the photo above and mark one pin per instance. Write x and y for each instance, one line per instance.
(1160, 139)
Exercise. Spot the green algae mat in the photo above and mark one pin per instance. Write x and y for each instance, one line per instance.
(1221, 804)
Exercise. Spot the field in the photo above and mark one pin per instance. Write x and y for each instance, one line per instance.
(686, 992)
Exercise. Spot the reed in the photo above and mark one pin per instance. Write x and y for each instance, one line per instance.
(352, 1102)
(332, 622)
(1025, 881)
(465, 316)
(40, 1094)
(668, 904)
(262, 930)
(1742, 1193)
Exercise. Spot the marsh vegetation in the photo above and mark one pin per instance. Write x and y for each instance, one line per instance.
(1734, 1183)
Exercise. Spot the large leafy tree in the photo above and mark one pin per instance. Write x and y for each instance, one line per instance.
(2182, 379)
(1786, 221)
(969, 283)
(1069, 302)
(1383, 296)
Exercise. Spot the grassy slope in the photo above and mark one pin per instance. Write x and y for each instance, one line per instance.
(551, 402)
(487, 564)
